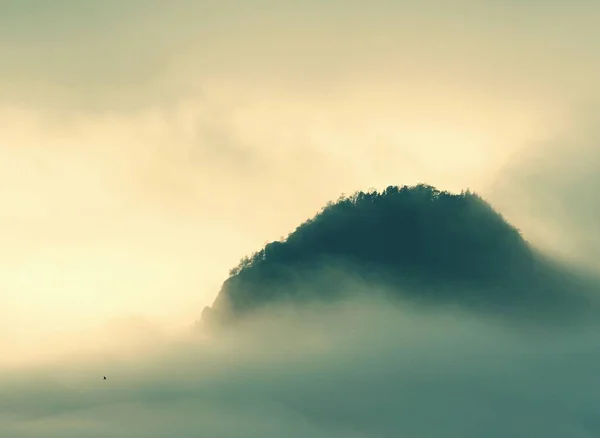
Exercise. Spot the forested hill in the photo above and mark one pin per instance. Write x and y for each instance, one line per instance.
(417, 242)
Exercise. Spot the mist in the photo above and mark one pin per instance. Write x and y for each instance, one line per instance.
(147, 145)
(136, 136)
(358, 368)
(550, 189)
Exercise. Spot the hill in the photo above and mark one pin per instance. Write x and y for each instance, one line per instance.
(416, 243)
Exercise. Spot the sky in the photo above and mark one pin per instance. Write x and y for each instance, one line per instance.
(146, 146)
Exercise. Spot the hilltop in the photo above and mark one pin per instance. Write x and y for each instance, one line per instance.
(416, 243)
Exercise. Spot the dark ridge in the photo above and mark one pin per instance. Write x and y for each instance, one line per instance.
(417, 243)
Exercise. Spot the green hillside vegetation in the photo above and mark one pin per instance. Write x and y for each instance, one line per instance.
(417, 242)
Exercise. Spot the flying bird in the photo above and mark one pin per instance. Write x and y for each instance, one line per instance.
(104, 377)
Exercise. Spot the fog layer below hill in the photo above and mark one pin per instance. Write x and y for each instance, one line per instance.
(355, 368)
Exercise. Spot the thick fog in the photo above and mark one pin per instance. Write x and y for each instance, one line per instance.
(355, 369)
(146, 146)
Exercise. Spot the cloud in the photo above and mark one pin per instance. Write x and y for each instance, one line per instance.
(121, 159)
(551, 188)
(360, 369)
(122, 56)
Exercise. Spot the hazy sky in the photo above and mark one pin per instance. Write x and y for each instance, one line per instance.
(145, 146)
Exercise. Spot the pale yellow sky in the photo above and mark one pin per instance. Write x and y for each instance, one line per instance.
(146, 146)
